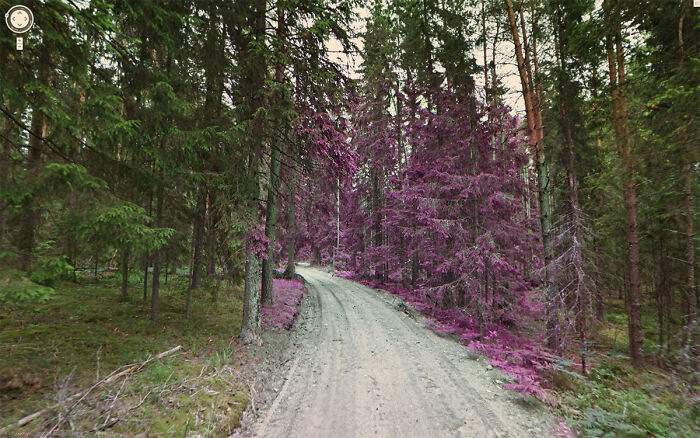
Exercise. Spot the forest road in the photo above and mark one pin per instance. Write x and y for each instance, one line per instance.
(366, 369)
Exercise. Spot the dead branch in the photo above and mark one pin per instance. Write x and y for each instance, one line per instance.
(80, 396)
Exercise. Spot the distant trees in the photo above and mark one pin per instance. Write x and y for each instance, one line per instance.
(223, 137)
(163, 128)
(609, 175)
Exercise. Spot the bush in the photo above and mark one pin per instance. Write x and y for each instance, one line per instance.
(617, 402)
(52, 269)
(15, 288)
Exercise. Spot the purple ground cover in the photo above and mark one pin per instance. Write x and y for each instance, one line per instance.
(287, 297)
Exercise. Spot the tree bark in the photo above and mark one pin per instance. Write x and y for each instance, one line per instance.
(274, 185)
(290, 271)
(5, 169)
(197, 248)
(39, 127)
(212, 225)
(616, 66)
(157, 259)
(377, 233)
(255, 79)
(125, 273)
(535, 135)
(271, 227)
(582, 295)
(692, 297)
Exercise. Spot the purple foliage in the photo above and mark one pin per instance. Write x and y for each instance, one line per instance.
(436, 206)
(287, 296)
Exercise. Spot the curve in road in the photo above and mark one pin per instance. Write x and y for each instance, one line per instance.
(365, 369)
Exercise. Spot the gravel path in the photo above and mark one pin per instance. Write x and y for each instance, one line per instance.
(365, 369)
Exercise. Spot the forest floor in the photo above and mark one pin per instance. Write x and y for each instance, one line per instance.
(59, 347)
(360, 364)
(619, 400)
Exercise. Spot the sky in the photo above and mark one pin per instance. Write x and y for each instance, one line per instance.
(505, 61)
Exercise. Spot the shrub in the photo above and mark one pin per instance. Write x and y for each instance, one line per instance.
(52, 269)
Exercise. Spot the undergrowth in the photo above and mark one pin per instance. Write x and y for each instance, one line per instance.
(616, 400)
(76, 333)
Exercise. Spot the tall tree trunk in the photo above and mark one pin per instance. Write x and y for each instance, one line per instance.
(147, 257)
(692, 296)
(337, 223)
(377, 233)
(616, 64)
(197, 248)
(582, 292)
(145, 281)
(535, 136)
(255, 79)
(268, 264)
(157, 259)
(28, 234)
(212, 225)
(274, 184)
(125, 273)
(289, 272)
(5, 169)
(39, 127)
(484, 45)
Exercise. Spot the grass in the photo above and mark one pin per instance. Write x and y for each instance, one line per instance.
(83, 331)
(616, 400)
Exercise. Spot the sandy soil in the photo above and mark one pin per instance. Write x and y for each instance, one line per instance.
(361, 367)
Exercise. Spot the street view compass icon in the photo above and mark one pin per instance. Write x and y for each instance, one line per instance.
(19, 20)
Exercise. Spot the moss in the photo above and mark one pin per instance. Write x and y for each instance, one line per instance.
(84, 330)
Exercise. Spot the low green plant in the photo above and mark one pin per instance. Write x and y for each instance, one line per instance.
(615, 401)
(49, 270)
(15, 288)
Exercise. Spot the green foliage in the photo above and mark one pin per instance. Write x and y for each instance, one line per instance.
(83, 330)
(15, 288)
(125, 226)
(616, 401)
(49, 270)
(69, 176)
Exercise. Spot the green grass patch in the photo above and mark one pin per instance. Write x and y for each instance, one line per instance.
(85, 331)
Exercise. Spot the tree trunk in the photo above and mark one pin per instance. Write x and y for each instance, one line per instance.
(251, 302)
(692, 297)
(535, 135)
(145, 281)
(197, 248)
(274, 186)
(271, 227)
(616, 66)
(125, 274)
(337, 223)
(39, 127)
(377, 234)
(255, 80)
(582, 295)
(157, 260)
(5, 164)
(212, 225)
(290, 271)
(484, 49)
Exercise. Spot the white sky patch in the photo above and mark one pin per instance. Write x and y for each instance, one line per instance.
(506, 68)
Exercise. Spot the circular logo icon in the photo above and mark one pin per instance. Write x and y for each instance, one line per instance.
(19, 19)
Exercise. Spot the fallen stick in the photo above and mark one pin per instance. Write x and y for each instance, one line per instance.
(129, 369)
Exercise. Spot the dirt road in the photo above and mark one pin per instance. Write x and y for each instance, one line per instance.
(365, 369)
